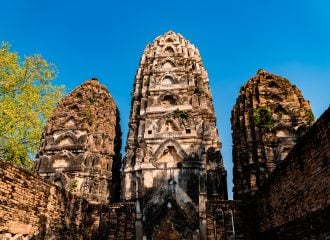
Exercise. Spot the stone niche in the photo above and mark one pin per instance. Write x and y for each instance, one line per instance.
(80, 146)
(173, 163)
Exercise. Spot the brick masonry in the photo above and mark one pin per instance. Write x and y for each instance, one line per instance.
(30, 208)
(228, 219)
(295, 201)
(292, 204)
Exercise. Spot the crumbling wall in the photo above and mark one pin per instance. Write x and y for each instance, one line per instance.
(33, 209)
(295, 201)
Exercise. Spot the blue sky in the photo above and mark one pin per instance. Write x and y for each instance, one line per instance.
(105, 39)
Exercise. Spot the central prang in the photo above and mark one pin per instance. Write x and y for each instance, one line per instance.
(173, 163)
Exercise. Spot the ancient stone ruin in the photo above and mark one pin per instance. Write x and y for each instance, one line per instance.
(171, 183)
(269, 116)
(80, 148)
(173, 163)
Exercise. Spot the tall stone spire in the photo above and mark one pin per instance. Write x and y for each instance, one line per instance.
(269, 115)
(173, 163)
(80, 148)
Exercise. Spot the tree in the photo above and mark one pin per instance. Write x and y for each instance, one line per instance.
(27, 99)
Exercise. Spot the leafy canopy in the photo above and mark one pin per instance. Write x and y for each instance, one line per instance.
(27, 99)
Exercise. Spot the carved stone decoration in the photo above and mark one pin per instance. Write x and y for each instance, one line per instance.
(80, 148)
(173, 148)
(269, 115)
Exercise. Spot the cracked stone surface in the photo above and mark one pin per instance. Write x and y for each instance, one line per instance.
(80, 147)
(269, 115)
(173, 158)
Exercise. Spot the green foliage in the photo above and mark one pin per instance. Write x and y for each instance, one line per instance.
(87, 114)
(91, 99)
(27, 99)
(147, 82)
(309, 116)
(183, 115)
(263, 118)
(73, 185)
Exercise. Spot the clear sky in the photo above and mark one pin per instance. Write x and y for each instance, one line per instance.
(105, 39)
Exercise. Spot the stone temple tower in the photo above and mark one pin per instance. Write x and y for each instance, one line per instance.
(80, 148)
(268, 117)
(173, 163)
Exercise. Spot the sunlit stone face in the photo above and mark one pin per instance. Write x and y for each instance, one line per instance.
(172, 141)
(78, 150)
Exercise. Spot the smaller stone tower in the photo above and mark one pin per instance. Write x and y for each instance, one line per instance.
(269, 115)
(80, 148)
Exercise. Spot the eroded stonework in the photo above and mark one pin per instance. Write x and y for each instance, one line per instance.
(80, 147)
(174, 184)
(268, 117)
(173, 163)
